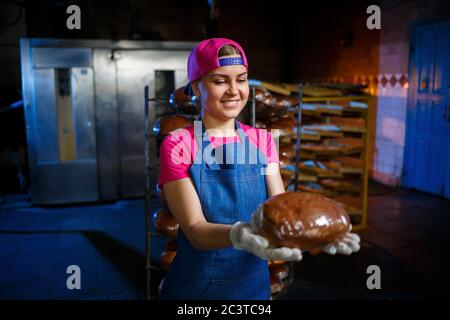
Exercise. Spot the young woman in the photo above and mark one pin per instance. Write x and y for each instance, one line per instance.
(214, 175)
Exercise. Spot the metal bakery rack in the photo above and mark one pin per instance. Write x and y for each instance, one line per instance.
(355, 107)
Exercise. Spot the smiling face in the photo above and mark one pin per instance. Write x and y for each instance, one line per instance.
(224, 91)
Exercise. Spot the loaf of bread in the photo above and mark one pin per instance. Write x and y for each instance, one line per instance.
(167, 258)
(302, 220)
(276, 285)
(184, 103)
(288, 150)
(341, 146)
(167, 124)
(341, 185)
(166, 223)
(263, 96)
(320, 168)
(316, 188)
(284, 161)
(280, 270)
(282, 101)
(264, 112)
(284, 125)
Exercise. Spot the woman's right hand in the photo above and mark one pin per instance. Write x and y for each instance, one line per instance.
(244, 238)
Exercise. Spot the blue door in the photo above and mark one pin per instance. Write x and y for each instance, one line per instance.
(427, 148)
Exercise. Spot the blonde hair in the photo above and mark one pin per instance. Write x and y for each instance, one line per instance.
(228, 50)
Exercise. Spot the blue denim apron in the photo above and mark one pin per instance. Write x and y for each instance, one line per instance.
(228, 193)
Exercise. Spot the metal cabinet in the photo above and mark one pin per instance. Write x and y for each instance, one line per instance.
(84, 113)
(133, 73)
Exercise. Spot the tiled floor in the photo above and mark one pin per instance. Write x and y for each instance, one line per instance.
(407, 237)
(106, 241)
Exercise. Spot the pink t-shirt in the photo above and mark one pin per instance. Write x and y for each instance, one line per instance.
(178, 149)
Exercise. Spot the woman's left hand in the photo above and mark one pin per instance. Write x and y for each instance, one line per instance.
(347, 245)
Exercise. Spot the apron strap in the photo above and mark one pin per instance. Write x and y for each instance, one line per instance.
(205, 153)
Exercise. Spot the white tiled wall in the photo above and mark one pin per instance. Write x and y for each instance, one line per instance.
(390, 132)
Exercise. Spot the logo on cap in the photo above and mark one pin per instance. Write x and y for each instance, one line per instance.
(230, 61)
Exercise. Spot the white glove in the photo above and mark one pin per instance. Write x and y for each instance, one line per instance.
(347, 245)
(243, 238)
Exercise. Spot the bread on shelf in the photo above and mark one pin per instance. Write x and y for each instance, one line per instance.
(319, 91)
(263, 96)
(303, 177)
(356, 107)
(276, 285)
(184, 103)
(287, 150)
(279, 270)
(276, 88)
(264, 111)
(273, 99)
(330, 109)
(333, 137)
(314, 187)
(351, 145)
(350, 165)
(279, 276)
(167, 124)
(308, 135)
(322, 169)
(348, 124)
(284, 102)
(167, 258)
(286, 162)
(165, 223)
(287, 170)
(324, 130)
(340, 185)
(309, 109)
(334, 147)
(285, 126)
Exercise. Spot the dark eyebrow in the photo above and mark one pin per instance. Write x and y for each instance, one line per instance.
(225, 76)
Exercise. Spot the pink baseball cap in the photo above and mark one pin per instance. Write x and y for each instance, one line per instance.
(205, 58)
